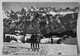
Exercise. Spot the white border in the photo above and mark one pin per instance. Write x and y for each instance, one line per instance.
(40, 0)
(1, 20)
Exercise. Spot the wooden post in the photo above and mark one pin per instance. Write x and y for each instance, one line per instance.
(24, 27)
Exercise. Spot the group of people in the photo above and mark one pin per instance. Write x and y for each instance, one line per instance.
(35, 39)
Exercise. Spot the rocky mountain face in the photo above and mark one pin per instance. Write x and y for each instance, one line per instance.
(36, 22)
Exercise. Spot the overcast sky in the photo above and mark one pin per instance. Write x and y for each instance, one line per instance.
(17, 6)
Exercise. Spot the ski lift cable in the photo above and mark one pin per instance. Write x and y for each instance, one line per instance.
(37, 4)
(20, 5)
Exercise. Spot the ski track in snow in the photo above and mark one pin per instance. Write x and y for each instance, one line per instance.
(45, 49)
